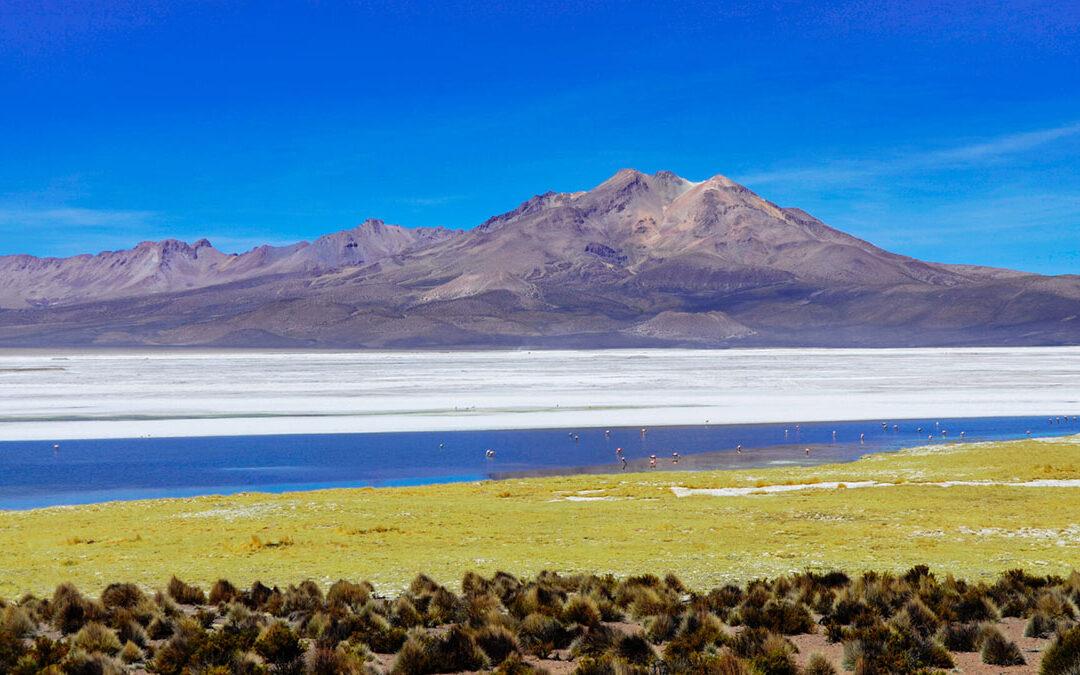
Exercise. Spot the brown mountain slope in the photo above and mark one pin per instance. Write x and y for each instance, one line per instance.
(638, 260)
(169, 266)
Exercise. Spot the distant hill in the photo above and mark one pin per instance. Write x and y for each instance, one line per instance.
(640, 260)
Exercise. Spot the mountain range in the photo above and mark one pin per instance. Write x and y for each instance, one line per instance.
(640, 260)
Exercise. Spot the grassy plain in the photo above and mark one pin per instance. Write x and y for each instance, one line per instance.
(620, 523)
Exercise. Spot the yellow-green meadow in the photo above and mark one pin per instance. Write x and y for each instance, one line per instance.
(1019, 514)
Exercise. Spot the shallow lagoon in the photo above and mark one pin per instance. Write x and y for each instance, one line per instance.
(34, 474)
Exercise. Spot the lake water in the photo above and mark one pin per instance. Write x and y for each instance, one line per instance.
(34, 474)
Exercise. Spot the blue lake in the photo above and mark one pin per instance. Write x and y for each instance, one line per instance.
(34, 474)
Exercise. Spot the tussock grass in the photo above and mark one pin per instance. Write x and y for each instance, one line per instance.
(887, 623)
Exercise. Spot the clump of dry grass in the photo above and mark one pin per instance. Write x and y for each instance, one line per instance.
(887, 623)
(185, 594)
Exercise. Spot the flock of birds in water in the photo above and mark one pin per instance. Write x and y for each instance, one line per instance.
(675, 456)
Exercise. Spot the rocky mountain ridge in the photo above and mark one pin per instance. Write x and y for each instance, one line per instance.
(640, 260)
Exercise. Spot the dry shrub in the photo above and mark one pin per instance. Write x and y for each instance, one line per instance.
(997, 650)
(11, 650)
(131, 653)
(480, 608)
(540, 634)
(71, 610)
(278, 644)
(975, 606)
(161, 628)
(777, 657)
(455, 651)
(918, 617)
(185, 594)
(405, 613)
(347, 593)
(222, 591)
(1062, 655)
(442, 607)
(122, 595)
(635, 649)
(515, 666)
(594, 642)
(660, 628)
(784, 617)
(16, 621)
(79, 662)
(497, 642)
(960, 637)
(307, 598)
(817, 664)
(699, 631)
(581, 610)
(1039, 626)
(423, 585)
(377, 633)
(326, 659)
(96, 637)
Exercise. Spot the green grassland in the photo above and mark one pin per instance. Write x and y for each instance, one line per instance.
(627, 523)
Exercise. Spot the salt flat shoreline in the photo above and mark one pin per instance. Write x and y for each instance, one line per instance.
(60, 395)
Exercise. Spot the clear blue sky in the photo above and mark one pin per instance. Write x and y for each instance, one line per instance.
(947, 131)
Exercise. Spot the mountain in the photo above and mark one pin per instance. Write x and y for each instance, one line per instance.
(640, 260)
(170, 266)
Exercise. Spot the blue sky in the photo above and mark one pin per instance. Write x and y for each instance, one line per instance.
(946, 131)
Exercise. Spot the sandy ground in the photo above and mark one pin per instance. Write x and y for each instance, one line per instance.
(121, 394)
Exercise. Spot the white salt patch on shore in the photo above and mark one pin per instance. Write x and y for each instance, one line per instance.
(833, 485)
(574, 498)
(110, 394)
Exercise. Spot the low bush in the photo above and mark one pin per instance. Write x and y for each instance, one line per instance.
(16, 621)
(660, 628)
(515, 666)
(580, 610)
(161, 628)
(350, 594)
(11, 650)
(95, 637)
(122, 595)
(918, 617)
(1039, 626)
(405, 613)
(185, 594)
(279, 644)
(222, 591)
(328, 659)
(635, 649)
(376, 632)
(79, 662)
(817, 664)
(595, 641)
(453, 652)
(960, 637)
(131, 653)
(997, 650)
(497, 642)
(1062, 655)
(785, 617)
(540, 634)
(70, 610)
